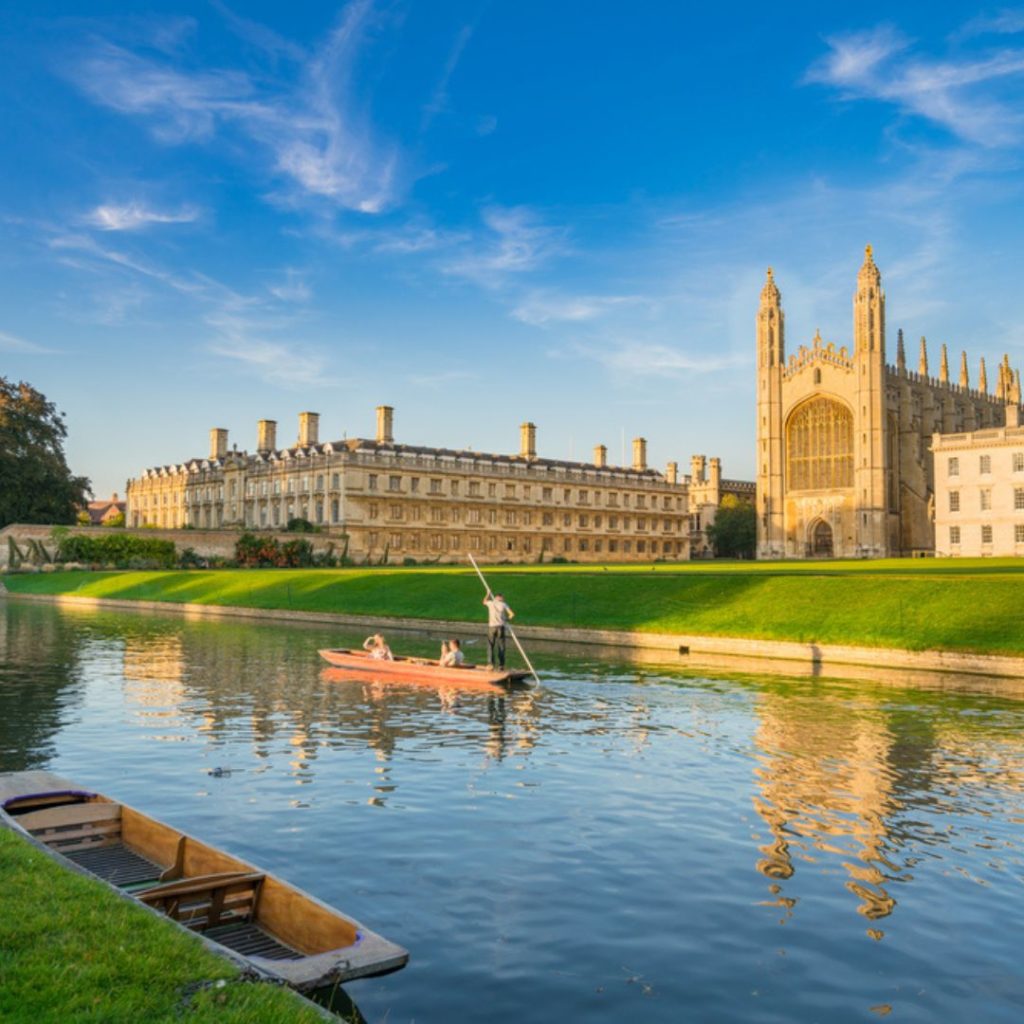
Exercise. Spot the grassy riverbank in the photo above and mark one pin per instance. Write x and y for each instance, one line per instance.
(915, 605)
(72, 950)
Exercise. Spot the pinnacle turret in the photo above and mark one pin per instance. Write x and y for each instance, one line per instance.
(944, 367)
(922, 363)
(901, 355)
(983, 378)
(965, 380)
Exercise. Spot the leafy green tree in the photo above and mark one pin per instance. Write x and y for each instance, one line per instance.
(733, 534)
(36, 485)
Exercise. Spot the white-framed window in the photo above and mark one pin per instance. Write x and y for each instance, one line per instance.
(953, 466)
(954, 501)
(986, 534)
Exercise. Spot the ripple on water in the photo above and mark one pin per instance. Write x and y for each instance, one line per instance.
(621, 844)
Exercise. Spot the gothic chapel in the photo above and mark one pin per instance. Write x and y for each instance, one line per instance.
(844, 464)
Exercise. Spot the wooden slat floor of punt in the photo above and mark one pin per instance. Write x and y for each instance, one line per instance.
(251, 940)
(116, 864)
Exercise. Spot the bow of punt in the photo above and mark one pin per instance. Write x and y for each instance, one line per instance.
(283, 932)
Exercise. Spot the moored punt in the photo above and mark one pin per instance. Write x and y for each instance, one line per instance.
(283, 932)
(419, 669)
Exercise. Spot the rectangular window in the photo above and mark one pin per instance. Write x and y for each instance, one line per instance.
(371, 482)
(953, 466)
(394, 483)
(1018, 462)
(566, 519)
(510, 519)
(1018, 499)
(396, 511)
(474, 488)
(455, 487)
(986, 535)
(510, 490)
(613, 522)
(395, 540)
(613, 500)
(584, 497)
(954, 535)
(584, 520)
(435, 486)
(567, 495)
(437, 515)
(546, 494)
(613, 546)
(414, 484)
(374, 511)
(319, 481)
(985, 464)
(547, 519)
(641, 501)
(492, 491)
(335, 510)
(335, 481)
(583, 545)
(954, 501)
(492, 516)
(1018, 533)
(641, 546)
(986, 499)
(473, 515)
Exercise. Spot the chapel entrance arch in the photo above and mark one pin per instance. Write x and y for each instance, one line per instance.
(821, 539)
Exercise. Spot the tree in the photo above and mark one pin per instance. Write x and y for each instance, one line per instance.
(36, 485)
(733, 534)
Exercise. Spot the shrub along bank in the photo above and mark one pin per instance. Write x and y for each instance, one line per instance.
(927, 605)
(72, 950)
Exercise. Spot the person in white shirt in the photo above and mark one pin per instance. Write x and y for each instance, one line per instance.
(451, 654)
(378, 648)
(498, 616)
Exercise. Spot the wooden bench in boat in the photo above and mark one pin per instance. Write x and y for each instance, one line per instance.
(208, 901)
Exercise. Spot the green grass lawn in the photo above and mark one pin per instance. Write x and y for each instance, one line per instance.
(968, 605)
(70, 950)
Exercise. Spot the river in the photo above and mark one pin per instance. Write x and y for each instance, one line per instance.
(622, 844)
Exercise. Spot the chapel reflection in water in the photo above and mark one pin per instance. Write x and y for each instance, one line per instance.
(855, 774)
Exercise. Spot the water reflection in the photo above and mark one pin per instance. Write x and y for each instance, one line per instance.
(568, 839)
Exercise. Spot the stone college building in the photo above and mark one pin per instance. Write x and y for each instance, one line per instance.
(844, 460)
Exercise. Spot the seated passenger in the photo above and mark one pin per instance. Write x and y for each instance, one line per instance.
(451, 654)
(378, 648)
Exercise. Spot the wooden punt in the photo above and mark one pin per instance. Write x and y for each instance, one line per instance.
(281, 931)
(419, 669)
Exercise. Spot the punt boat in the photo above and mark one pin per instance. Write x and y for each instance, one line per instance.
(281, 931)
(419, 669)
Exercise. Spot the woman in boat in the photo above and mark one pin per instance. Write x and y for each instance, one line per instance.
(451, 654)
(377, 648)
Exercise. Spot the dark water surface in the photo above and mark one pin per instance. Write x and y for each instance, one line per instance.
(624, 844)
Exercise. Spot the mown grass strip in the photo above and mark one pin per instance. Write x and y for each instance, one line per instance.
(72, 950)
(914, 605)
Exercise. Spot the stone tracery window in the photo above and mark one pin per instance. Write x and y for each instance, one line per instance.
(819, 446)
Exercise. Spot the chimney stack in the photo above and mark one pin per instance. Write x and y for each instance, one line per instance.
(672, 473)
(697, 463)
(218, 443)
(385, 424)
(309, 429)
(528, 440)
(640, 453)
(266, 436)
(600, 455)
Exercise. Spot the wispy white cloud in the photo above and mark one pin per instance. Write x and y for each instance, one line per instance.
(960, 93)
(313, 132)
(12, 343)
(133, 215)
(439, 98)
(259, 36)
(542, 308)
(515, 241)
(653, 359)
(294, 287)
(1005, 22)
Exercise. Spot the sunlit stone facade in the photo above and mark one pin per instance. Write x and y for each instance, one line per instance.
(844, 465)
(979, 492)
(391, 501)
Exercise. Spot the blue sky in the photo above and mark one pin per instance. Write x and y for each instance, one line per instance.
(486, 212)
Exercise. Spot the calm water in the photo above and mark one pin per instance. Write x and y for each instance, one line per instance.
(624, 845)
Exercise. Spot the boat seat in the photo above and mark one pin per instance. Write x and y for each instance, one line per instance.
(70, 827)
(207, 901)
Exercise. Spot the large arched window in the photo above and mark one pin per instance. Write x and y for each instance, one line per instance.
(819, 446)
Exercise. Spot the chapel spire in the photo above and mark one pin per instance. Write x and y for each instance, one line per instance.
(922, 363)
(983, 378)
(869, 310)
(771, 334)
(901, 355)
(965, 380)
(944, 367)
